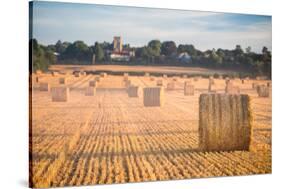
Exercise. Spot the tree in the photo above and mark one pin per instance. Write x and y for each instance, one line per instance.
(248, 50)
(77, 51)
(155, 47)
(187, 48)
(168, 48)
(60, 47)
(238, 50)
(40, 56)
(98, 52)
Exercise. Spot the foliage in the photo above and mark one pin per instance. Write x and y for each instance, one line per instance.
(40, 56)
(155, 52)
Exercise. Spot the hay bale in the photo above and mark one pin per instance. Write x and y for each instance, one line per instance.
(77, 74)
(188, 89)
(128, 83)
(62, 81)
(126, 75)
(146, 74)
(254, 86)
(90, 91)
(165, 76)
(126, 78)
(211, 81)
(44, 87)
(133, 91)
(153, 96)
(97, 79)
(232, 89)
(212, 88)
(103, 74)
(55, 73)
(225, 122)
(38, 72)
(171, 86)
(60, 94)
(263, 91)
(37, 79)
(159, 83)
(93, 83)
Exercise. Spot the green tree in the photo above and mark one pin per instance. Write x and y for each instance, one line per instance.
(60, 47)
(40, 56)
(78, 51)
(98, 52)
(155, 47)
(168, 48)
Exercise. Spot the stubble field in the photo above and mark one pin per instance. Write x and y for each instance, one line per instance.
(111, 138)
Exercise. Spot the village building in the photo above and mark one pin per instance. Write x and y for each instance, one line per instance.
(118, 53)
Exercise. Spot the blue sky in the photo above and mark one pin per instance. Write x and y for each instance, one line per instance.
(54, 21)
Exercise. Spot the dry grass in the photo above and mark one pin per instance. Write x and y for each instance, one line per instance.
(117, 139)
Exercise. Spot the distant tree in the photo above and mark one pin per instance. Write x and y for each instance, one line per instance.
(60, 47)
(187, 48)
(155, 47)
(238, 50)
(248, 50)
(40, 56)
(264, 50)
(168, 48)
(98, 52)
(77, 51)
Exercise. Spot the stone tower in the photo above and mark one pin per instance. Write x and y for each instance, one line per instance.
(117, 44)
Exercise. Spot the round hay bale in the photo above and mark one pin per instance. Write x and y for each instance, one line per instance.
(153, 96)
(159, 83)
(93, 83)
(263, 91)
(225, 122)
(188, 89)
(44, 86)
(90, 91)
(133, 91)
(60, 94)
(171, 86)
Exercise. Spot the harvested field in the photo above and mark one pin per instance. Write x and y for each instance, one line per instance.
(112, 138)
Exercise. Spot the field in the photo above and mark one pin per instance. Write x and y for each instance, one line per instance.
(141, 69)
(111, 138)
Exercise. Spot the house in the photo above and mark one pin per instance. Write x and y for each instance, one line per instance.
(184, 57)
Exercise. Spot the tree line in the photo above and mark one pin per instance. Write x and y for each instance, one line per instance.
(154, 53)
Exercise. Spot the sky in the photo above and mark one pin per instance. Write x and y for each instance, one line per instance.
(53, 21)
